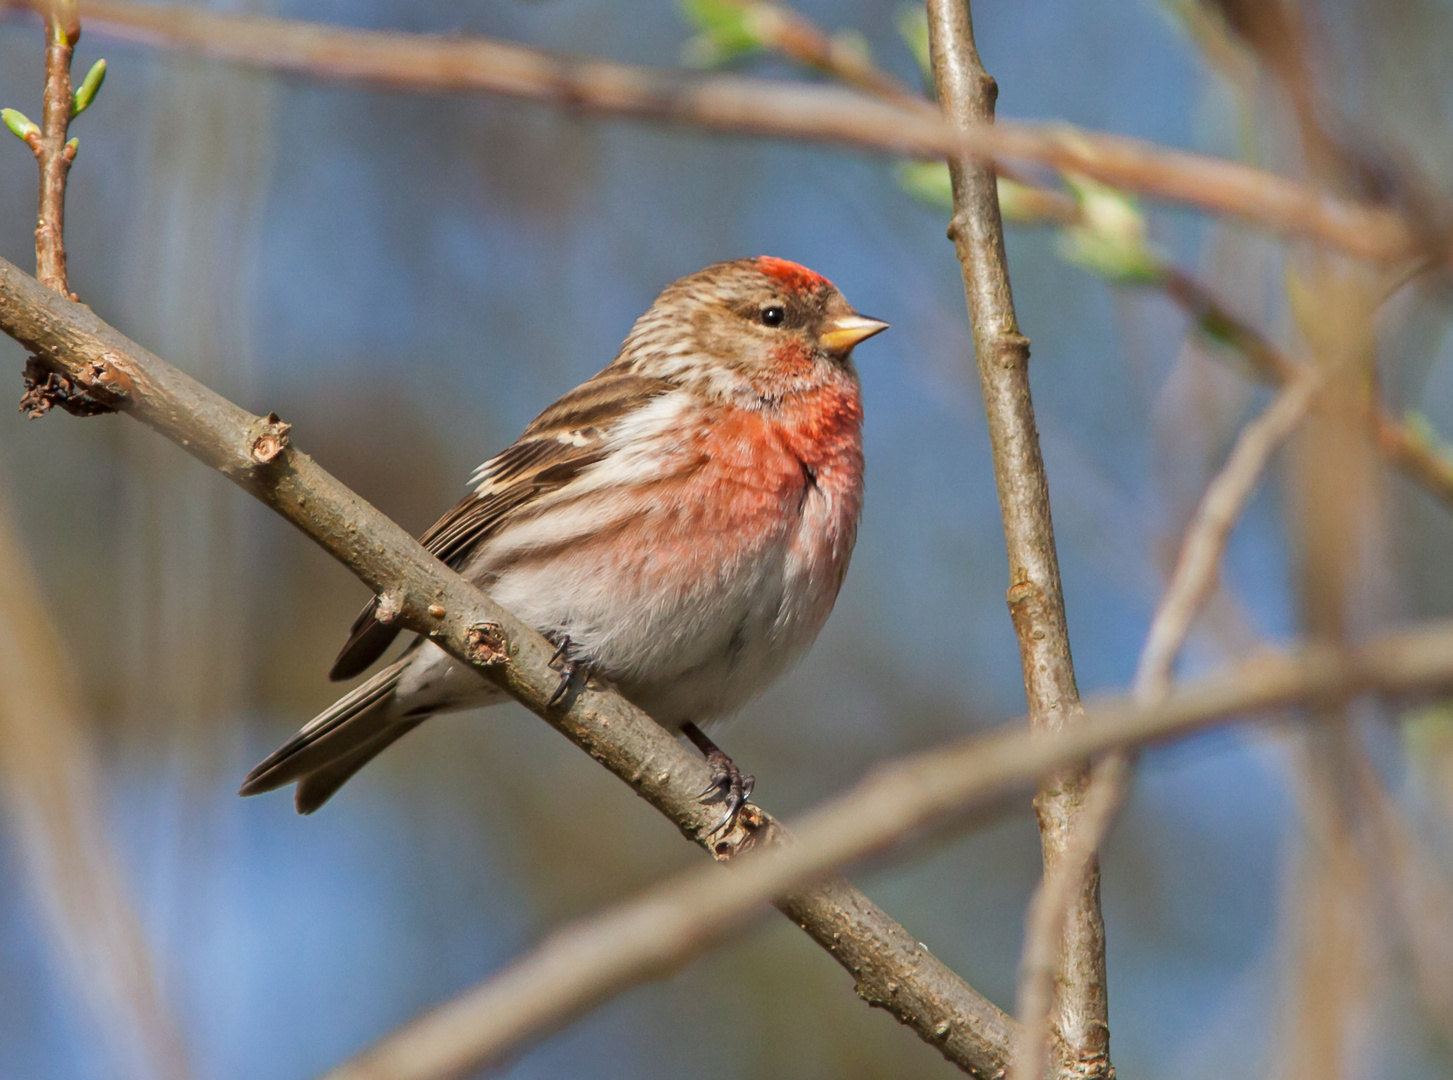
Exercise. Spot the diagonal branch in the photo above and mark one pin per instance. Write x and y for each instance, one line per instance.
(892, 970)
(658, 932)
(966, 93)
(728, 103)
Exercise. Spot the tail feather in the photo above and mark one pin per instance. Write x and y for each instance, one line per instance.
(364, 720)
(319, 785)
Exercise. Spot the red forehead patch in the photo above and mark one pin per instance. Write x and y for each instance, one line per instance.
(794, 277)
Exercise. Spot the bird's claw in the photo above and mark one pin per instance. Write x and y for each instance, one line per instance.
(728, 786)
(568, 667)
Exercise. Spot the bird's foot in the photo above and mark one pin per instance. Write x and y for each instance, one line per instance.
(569, 667)
(728, 784)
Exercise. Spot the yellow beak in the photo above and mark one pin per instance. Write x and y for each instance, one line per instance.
(847, 330)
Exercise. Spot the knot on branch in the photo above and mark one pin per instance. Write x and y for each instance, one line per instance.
(46, 389)
(1026, 607)
(269, 437)
(753, 828)
(486, 644)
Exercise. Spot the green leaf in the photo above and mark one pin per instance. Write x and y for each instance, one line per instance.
(86, 92)
(20, 125)
(725, 31)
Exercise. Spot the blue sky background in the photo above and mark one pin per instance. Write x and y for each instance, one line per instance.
(408, 280)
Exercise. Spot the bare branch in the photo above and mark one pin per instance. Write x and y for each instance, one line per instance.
(726, 103)
(966, 93)
(1191, 583)
(256, 453)
(1210, 530)
(659, 931)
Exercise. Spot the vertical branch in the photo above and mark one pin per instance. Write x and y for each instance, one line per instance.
(1336, 510)
(53, 149)
(966, 93)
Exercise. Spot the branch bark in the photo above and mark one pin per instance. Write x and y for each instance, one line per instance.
(659, 931)
(966, 93)
(891, 969)
(726, 103)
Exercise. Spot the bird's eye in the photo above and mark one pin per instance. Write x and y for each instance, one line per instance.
(773, 316)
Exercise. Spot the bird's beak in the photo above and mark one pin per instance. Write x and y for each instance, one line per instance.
(846, 331)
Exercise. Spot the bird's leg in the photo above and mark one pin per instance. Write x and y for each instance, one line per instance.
(563, 662)
(727, 782)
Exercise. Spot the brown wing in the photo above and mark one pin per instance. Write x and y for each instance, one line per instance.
(558, 444)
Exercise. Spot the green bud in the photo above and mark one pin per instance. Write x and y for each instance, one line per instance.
(725, 31)
(73, 144)
(20, 125)
(86, 92)
(1110, 238)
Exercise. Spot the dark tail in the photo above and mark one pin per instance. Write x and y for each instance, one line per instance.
(336, 743)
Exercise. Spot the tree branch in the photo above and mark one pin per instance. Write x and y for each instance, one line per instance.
(892, 970)
(661, 930)
(966, 93)
(726, 103)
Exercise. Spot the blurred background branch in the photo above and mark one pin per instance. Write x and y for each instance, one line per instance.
(55, 812)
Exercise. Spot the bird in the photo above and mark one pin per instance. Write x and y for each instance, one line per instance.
(678, 525)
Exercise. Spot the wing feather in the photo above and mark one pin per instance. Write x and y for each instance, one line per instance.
(566, 438)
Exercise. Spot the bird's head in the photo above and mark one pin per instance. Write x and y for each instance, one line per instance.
(751, 329)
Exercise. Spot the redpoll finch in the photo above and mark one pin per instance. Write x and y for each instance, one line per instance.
(679, 525)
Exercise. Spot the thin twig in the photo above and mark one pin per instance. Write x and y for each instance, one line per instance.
(1036, 602)
(727, 103)
(891, 969)
(1210, 530)
(1191, 583)
(54, 156)
(661, 930)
